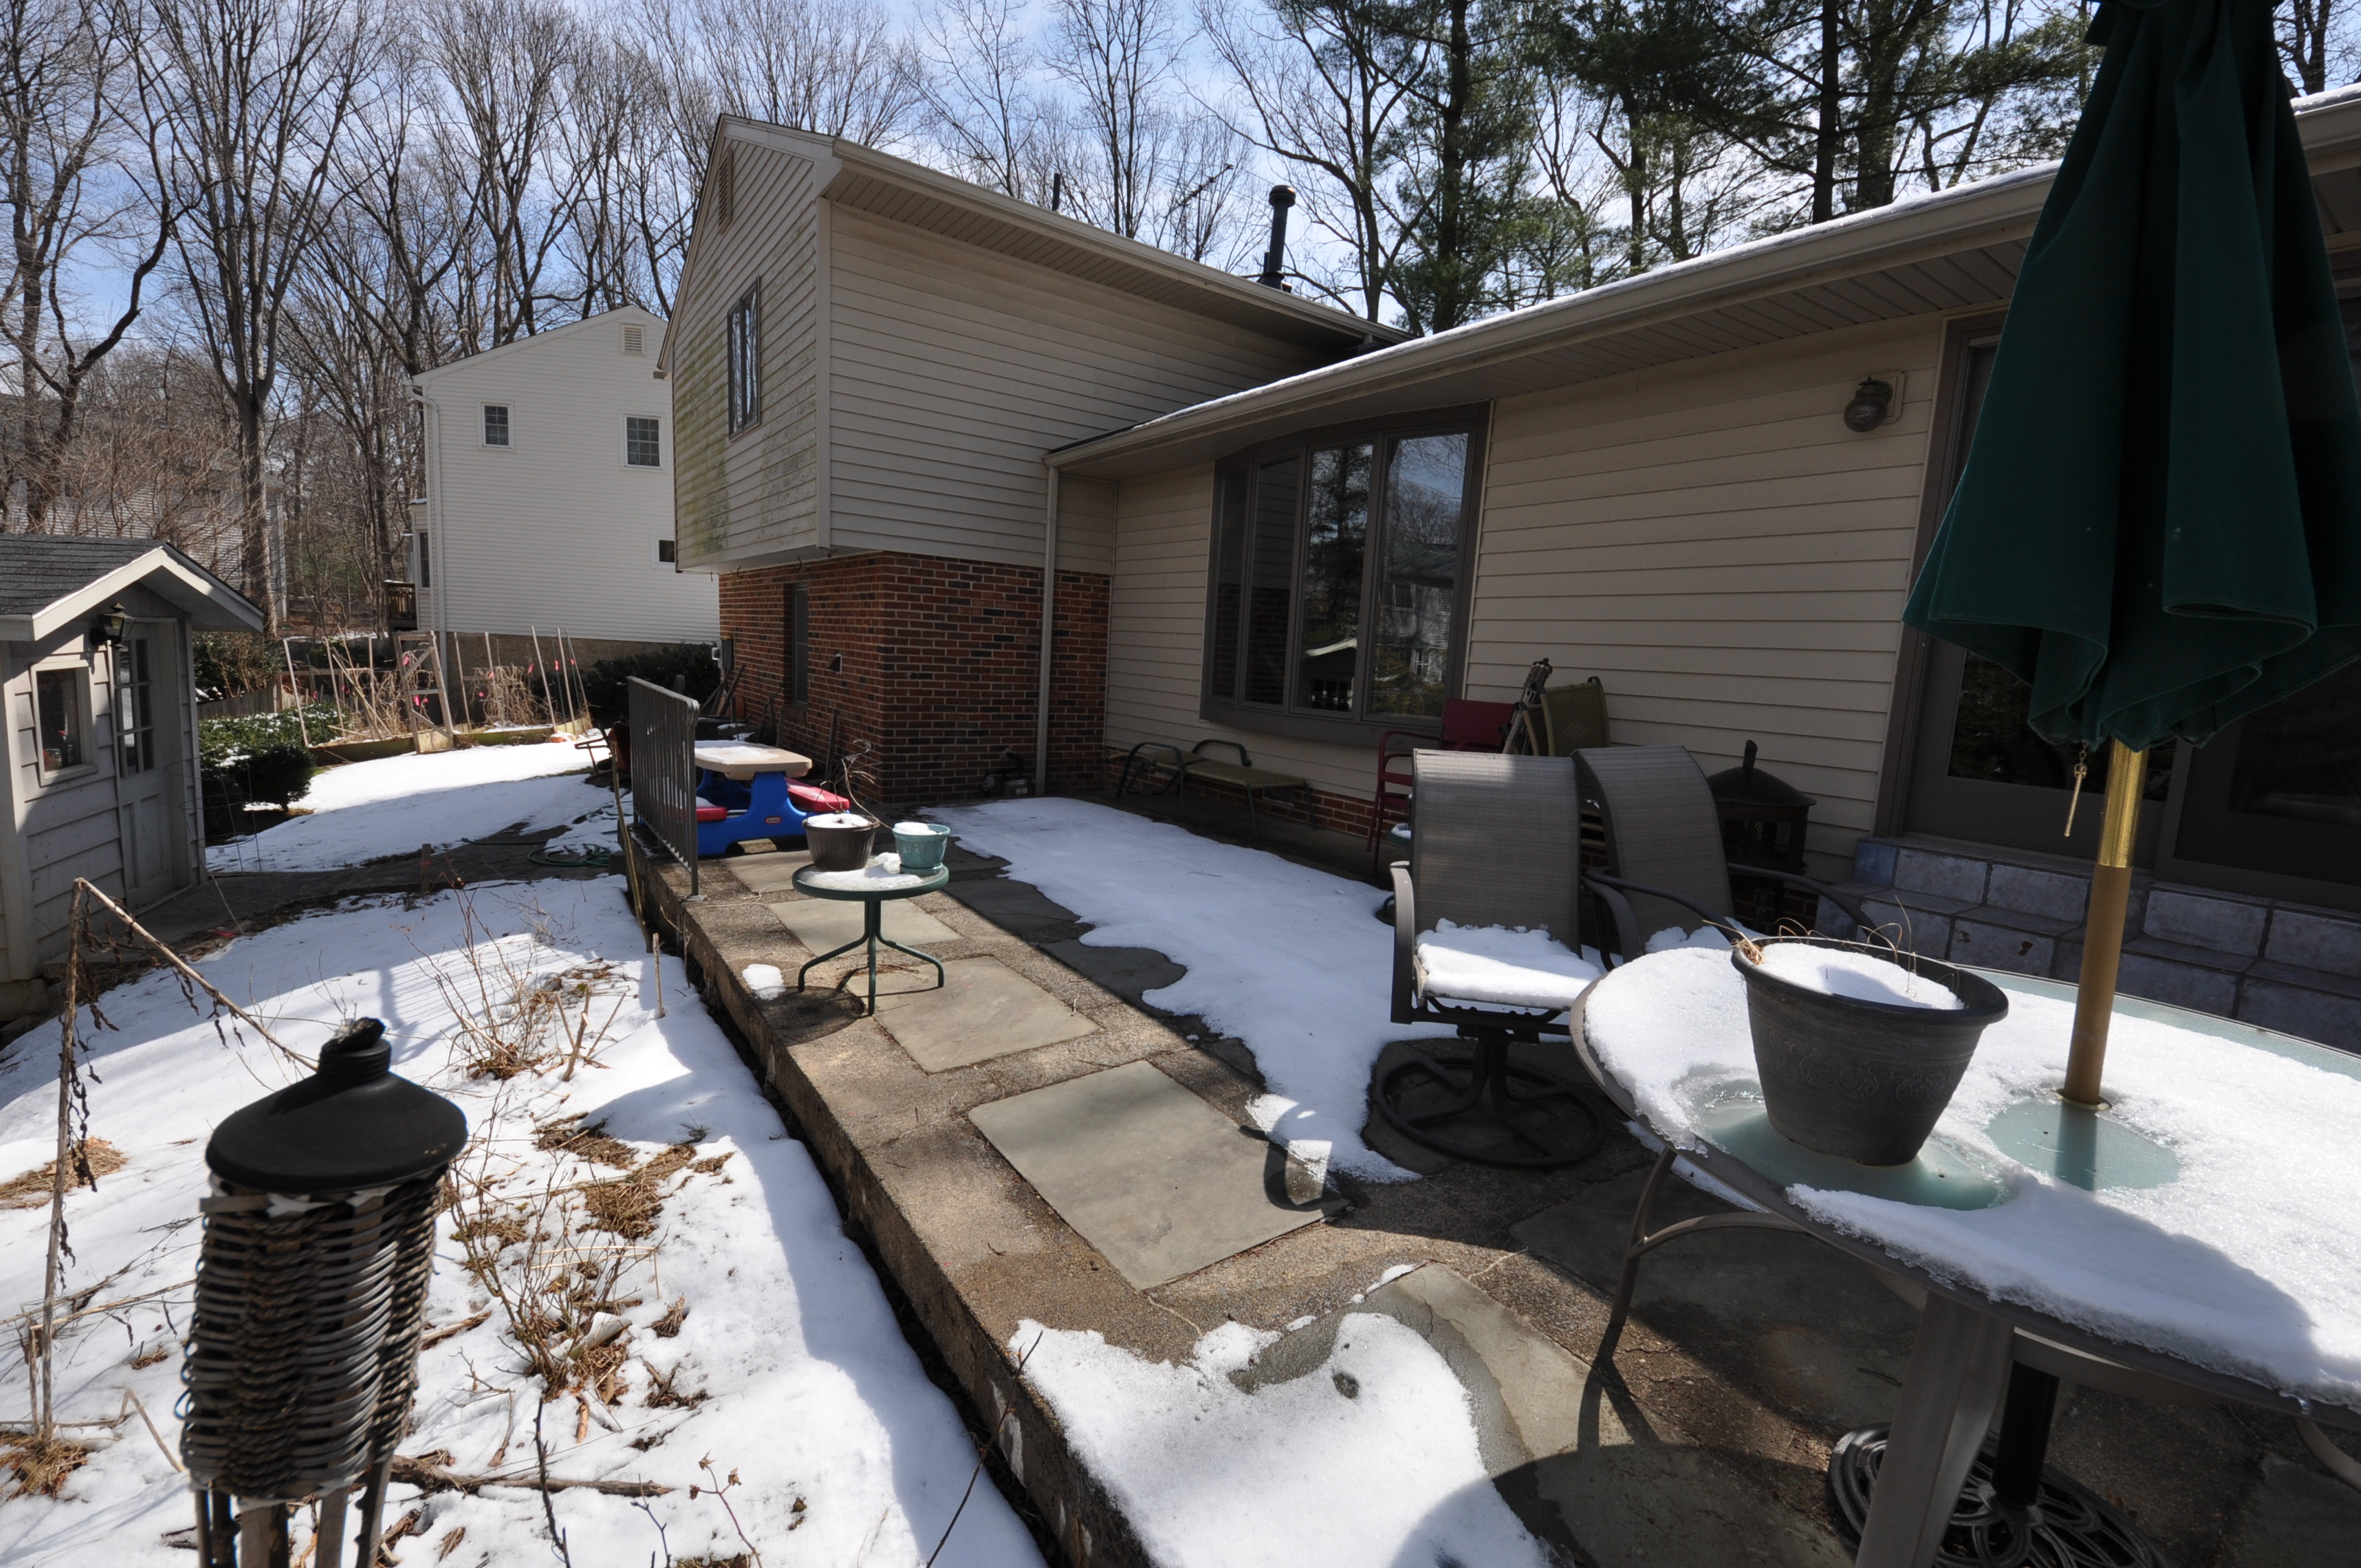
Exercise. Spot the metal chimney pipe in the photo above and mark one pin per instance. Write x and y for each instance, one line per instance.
(1274, 261)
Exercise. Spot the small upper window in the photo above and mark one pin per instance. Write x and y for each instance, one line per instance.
(642, 442)
(745, 348)
(58, 696)
(635, 340)
(496, 425)
(667, 552)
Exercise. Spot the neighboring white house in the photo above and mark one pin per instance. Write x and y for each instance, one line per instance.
(549, 486)
(100, 733)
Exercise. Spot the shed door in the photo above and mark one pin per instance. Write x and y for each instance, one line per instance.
(144, 762)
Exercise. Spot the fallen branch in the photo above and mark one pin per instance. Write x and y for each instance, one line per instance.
(448, 1329)
(190, 975)
(428, 1475)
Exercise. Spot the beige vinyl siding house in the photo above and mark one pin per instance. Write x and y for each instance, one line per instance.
(878, 453)
(100, 778)
(549, 491)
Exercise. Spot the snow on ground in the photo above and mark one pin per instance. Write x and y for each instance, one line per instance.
(788, 1367)
(1285, 957)
(1370, 1460)
(366, 811)
(2246, 1263)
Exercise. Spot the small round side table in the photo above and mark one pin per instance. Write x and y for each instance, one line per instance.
(873, 884)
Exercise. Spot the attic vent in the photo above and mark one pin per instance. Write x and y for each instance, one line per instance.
(635, 340)
(725, 185)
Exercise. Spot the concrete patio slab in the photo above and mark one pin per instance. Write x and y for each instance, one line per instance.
(821, 924)
(982, 1011)
(1156, 1179)
(1569, 1449)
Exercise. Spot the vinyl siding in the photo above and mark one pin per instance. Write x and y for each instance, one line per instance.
(952, 369)
(1708, 539)
(68, 829)
(555, 529)
(1731, 561)
(756, 494)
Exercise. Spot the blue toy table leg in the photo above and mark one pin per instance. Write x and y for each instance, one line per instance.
(770, 813)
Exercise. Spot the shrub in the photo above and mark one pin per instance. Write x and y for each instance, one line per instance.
(608, 682)
(233, 662)
(221, 739)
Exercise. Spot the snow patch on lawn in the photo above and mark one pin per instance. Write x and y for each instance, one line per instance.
(1371, 1460)
(797, 1377)
(1285, 957)
(366, 811)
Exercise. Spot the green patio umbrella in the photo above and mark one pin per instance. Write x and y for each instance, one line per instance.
(2158, 528)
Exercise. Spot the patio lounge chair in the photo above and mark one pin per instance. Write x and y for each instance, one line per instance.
(1497, 845)
(1666, 864)
(1468, 725)
(1558, 721)
(1241, 775)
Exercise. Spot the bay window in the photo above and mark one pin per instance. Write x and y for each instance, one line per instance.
(1339, 571)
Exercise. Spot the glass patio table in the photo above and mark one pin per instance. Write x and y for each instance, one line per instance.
(2157, 1297)
(880, 882)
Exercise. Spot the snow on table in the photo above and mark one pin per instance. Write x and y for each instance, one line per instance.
(1285, 957)
(884, 875)
(1369, 1459)
(796, 1374)
(2246, 1263)
(366, 811)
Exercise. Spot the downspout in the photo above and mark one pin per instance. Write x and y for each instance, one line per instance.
(1048, 630)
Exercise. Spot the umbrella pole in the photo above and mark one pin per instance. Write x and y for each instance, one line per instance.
(2102, 937)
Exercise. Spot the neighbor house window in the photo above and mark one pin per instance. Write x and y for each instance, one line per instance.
(496, 425)
(425, 562)
(57, 699)
(667, 552)
(642, 442)
(745, 348)
(1337, 573)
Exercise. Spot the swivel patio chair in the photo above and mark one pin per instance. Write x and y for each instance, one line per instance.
(1498, 844)
(1665, 867)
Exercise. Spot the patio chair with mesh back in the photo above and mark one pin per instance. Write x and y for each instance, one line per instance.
(1498, 843)
(1666, 866)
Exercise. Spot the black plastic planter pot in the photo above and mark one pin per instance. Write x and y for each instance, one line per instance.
(1862, 1081)
(840, 849)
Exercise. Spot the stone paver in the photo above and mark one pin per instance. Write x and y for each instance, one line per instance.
(983, 1010)
(821, 924)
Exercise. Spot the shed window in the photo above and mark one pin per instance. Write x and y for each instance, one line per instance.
(134, 708)
(57, 695)
(745, 348)
(643, 443)
(1337, 570)
(496, 425)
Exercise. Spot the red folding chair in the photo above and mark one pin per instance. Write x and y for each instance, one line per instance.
(1466, 727)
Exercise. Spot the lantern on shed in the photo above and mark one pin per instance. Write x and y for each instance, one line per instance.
(1763, 822)
(303, 1355)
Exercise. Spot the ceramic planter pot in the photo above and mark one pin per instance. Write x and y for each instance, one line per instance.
(920, 845)
(1862, 1081)
(838, 847)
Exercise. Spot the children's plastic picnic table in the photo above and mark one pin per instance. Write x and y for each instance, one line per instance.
(744, 791)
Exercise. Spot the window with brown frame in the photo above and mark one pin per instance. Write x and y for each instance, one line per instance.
(1337, 594)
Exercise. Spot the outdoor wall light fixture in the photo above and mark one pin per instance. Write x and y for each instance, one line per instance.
(108, 626)
(1871, 401)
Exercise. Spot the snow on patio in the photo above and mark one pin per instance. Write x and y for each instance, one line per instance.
(753, 1332)
(366, 811)
(1285, 957)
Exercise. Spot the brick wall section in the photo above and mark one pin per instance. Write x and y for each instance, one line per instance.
(940, 667)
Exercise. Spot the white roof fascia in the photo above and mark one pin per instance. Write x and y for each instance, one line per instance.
(211, 603)
(519, 344)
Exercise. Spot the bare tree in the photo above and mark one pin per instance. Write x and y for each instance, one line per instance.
(1325, 85)
(72, 169)
(1119, 57)
(985, 104)
(249, 98)
(836, 67)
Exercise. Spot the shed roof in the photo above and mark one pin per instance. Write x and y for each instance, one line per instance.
(1951, 251)
(50, 581)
